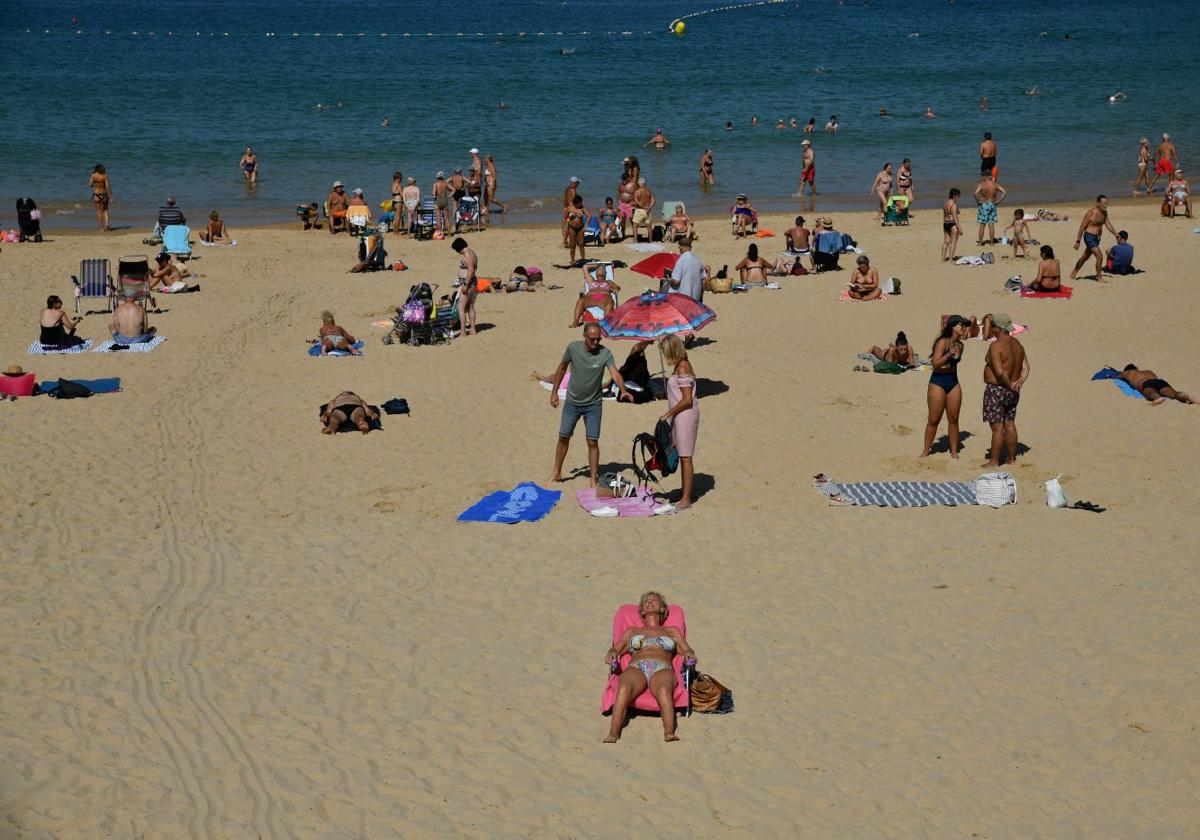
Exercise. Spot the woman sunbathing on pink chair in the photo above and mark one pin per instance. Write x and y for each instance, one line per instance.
(652, 647)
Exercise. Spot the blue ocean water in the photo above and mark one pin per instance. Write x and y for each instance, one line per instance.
(167, 94)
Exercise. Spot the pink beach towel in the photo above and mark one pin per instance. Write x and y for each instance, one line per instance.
(1063, 293)
(845, 295)
(642, 503)
(627, 616)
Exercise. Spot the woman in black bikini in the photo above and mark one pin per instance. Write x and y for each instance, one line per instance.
(944, 394)
(1049, 272)
(950, 228)
(575, 217)
(58, 328)
(101, 195)
(347, 406)
(904, 182)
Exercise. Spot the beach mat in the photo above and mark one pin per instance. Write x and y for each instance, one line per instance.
(642, 503)
(527, 502)
(1114, 376)
(142, 347)
(39, 349)
(96, 386)
(900, 494)
(1063, 293)
(315, 350)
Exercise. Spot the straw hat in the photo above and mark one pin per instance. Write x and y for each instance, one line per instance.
(14, 370)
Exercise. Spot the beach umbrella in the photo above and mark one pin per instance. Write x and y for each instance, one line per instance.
(656, 265)
(654, 314)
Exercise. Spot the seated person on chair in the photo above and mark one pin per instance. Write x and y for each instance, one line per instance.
(743, 216)
(169, 215)
(58, 328)
(1049, 272)
(1178, 194)
(680, 224)
(347, 406)
(336, 205)
(899, 352)
(608, 222)
(165, 276)
(333, 337)
(599, 291)
(1120, 256)
(864, 282)
(130, 323)
(652, 646)
(1151, 387)
(215, 230)
(753, 269)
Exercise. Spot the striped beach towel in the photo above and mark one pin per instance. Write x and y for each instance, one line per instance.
(39, 349)
(896, 493)
(143, 347)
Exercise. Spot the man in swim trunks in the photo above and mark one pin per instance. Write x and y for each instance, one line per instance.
(643, 203)
(1166, 160)
(1179, 192)
(412, 198)
(1005, 371)
(441, 200)
(336, 205)
(1091, 227)
(808, 171)
(130, 324)
(1151, 387)
(987, 155)
(625, 192)
(987, 195)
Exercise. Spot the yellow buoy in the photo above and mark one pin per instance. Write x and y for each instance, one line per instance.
(678, 27)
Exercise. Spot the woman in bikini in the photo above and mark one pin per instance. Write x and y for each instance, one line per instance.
(1049, 272)
(397, 201)
(249, 166)
(58, 328)
(101, 194)
(652, 647)
(468, 285)
(598, 291)
(575, 219)
(347, 406)
(1143, 164)
(680, 223)
(753, 269)
(900, 352)
(950, 227)
(882, 187)
(706, 169)
(904, 182)
(625, 198)
(944, 393)
(215, 230)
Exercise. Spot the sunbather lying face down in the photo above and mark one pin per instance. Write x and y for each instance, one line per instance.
(347, 406)
(1151, 387)
(652, 647)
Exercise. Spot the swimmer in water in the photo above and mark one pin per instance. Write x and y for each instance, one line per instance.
(659, 140)
(754, 121)
(386, 123)
(929, 115)
(1119, 96)
(781, 124)
(883, 112)
(502, 106)
(983, 103)
(1033, 91)
(729, 125)
(794, 123)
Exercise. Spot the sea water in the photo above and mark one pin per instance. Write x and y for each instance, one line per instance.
(168, 94)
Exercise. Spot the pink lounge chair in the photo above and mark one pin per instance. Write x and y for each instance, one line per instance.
(627, 616)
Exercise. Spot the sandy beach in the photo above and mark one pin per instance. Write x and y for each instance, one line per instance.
(220, 623)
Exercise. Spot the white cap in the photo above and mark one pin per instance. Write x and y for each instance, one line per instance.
(337, 184)
(805, 143)
(474, 151)
(358, 190)
(574, 180)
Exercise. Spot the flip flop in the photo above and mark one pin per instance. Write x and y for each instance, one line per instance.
(1094, 508)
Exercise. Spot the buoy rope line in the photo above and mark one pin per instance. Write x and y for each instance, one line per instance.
(690, 15)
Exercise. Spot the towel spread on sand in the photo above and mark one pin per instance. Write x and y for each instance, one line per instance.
(1062, 293)
(642, 503)
(39, 349)
(315, 350)
(96, 386)
(896, 493)
(845, 295)
(527, 502)
(645, 247)
(1123, 386)
(140, 347)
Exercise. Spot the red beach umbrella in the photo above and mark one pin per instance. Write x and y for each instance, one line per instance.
(655, 265)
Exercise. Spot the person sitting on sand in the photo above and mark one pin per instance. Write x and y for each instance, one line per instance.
(215, 230)
(743, 215)
(166, 277)
(1020, 232)
(753, 268)
(680, 224)
(1151, 387)
(130, 324)
(1120, 256)
(652, 647)
(332, 337)
(1179, 194)
(598, 291)
(309, 214)
(864, 282)
(1049, 272)
(58, 328)
(899, 352)
(797, 237)
(523, 280)
(347, 406)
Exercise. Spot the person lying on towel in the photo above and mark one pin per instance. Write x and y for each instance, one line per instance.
(166, 277)
(1151, 387)
(347, 406)
(333, 337)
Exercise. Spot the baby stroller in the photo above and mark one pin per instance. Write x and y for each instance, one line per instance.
(29, 219)
(896, 212)
(468, 214)
(421, 321)
(427, 219)
(371, 255)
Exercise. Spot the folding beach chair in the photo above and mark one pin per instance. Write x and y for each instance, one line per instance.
(591, 232)
(175, 241)
(627, 616)
(133, 280)
(95, 283)
(357, 219)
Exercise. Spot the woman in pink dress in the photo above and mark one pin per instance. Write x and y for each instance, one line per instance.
(682, 412)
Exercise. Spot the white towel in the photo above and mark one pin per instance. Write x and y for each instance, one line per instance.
(141, 347)
(646, 247)
(39, 349)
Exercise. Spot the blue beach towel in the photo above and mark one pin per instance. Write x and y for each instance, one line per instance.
(1123, 386)
(524, 503)
(96, 386)
(315, 350)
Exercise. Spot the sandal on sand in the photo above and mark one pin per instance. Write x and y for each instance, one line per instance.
(1094, 508)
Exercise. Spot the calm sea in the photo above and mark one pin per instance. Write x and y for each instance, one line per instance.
(167, 94)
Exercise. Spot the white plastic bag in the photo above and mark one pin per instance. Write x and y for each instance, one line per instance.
(1055, 497)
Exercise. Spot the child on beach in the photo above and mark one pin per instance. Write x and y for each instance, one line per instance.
(1020, 232)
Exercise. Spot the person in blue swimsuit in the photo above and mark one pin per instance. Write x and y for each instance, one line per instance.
(653, 646)
(944, 394)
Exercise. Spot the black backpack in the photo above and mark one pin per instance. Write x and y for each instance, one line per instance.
(68, 390)
(657, 451)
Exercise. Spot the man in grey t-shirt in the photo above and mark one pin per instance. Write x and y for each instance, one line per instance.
(687, 277)
(588, 362)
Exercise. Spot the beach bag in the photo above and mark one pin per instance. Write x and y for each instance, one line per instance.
(891, 286)
(68, 390)
(615, 486)
(657, 451)
(708, 696)
(413, 313)
(1055, 496)
(887, 367)
(995, 489)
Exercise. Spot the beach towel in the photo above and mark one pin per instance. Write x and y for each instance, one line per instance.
(845, 295)
(1062, 293)
(562, 386)
(646, 247)
(969, 260)
(96, 386)
(1122, 386)
(315, 350)
(641, 503)
(39, 349)
(896, 493)
(527, 502)
(143, 347)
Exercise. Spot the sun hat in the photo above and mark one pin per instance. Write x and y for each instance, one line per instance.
(805, 143)
(473, 151)
(1002, 321)
(14, 370)
(574, 179)
(337, 184)
(358, 190)
(825, 220)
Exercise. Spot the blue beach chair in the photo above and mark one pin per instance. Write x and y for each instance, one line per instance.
(96, 282)
(175, 241)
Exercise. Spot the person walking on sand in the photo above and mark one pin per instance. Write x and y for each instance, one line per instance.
(1143, 164)
(944, 392)
(1091, 228)
(588, 360)
(987, 195)
(987, 156)
(1166, 159)
(683, 413)
(468, 285)
(569, 194)
(706, 169)
(1005, 370)
(882, 188)
(951, 229)
(101, 194)
(808, 168)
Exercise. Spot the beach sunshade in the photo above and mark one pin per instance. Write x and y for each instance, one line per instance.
(654, 314)
(655, 265)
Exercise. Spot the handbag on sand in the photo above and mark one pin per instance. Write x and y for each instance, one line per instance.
(709, 696)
